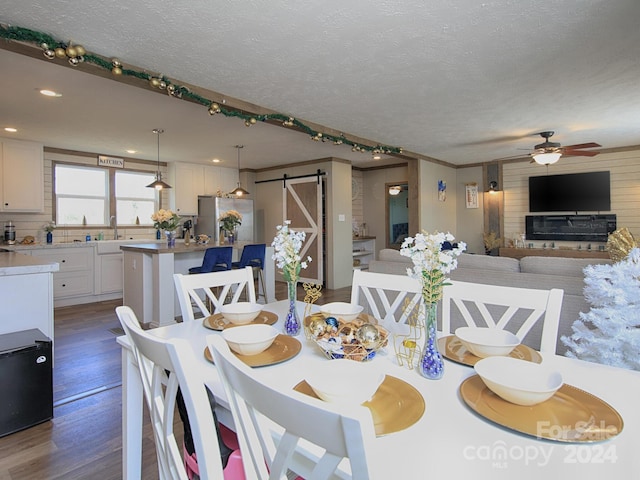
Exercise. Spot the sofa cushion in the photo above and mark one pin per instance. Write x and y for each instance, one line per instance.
(569, 267)
(486, 262)
(391, 255)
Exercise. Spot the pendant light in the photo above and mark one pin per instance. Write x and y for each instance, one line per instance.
(158, 184)
(239, 191)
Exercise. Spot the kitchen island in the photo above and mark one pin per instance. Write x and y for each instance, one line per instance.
(148, 270)
(26, 293)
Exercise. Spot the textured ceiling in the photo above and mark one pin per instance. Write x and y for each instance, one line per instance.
(461, 82)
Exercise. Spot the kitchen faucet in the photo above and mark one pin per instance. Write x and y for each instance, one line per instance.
(112, 221)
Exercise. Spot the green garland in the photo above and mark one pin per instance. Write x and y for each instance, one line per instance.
(49, 46)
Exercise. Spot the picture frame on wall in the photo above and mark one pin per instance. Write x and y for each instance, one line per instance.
(471, 195)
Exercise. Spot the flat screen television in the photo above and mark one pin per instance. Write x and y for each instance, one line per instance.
(573, 192)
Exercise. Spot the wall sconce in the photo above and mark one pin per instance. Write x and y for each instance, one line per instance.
(395, 190)
(493, 186)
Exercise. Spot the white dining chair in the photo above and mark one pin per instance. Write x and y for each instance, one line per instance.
(516, 309)
(206, 292)
(327, 433)
(165, 366)
(389, 298)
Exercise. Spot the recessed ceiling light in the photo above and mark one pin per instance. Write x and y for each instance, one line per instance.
(132, 151)
(10, 129)
(377, 157)
(216, 160)
(50, 93)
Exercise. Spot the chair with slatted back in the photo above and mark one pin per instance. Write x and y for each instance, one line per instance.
(519, 310)
(389, 298)
(196, 292)
(167, 367)
(253, 256)
(333, 432)
(216, 259)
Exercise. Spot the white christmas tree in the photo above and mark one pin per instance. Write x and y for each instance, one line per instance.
(610, 332)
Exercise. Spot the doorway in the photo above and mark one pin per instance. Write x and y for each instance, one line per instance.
(397, 214)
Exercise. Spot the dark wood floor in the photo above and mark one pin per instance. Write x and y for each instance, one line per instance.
(83, 441)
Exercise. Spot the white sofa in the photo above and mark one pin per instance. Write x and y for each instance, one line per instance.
(529, 272)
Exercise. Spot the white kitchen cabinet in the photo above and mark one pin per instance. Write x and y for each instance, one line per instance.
(363, 251)
(22, 179)
(219, 178)
(110, 280)
(75, 277)
(187, 181)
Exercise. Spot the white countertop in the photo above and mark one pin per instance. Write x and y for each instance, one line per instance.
(14, 263)
(99, 244)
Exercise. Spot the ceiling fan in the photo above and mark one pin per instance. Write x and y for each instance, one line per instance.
(547, 152)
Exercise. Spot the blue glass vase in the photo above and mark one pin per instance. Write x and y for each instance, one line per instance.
(431, 364)
(49, 237)
(292, 322)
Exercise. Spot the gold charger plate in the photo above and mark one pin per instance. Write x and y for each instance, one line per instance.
(396, 405)
(217, 321)
(571, 415)
(452, 348)
(283, 348)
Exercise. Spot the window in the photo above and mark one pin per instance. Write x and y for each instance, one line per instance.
(82, 196)
(135, 203)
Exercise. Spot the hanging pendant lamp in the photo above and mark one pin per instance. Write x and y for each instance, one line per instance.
(158, 184)
(239, 191)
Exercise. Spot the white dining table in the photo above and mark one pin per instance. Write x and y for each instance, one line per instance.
(449, 441)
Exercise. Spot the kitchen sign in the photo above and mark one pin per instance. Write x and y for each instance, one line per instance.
(104, 161)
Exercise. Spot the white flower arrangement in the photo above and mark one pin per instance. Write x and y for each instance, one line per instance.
(434, 256)
(49, 227)
(165, 220)
(287, 244)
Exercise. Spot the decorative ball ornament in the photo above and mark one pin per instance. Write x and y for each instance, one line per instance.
(368, 335)
(80, 51)
(71, 51)
(162, 85)
(60, 52)
(317, 326)
(154, 82)
(171, 89)
(50, 54)
(214, 108)
(74, 61)
(116, 71)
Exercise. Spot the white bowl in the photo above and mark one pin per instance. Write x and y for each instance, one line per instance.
(487, 342)
(518, 381)
(343, 310)
(250, 339)
(345, 381)
(241, 313)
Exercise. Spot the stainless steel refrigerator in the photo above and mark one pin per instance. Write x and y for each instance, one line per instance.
(210, 209)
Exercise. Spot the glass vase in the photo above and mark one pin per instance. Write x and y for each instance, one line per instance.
(292, 322)
(431, 364)
(171, 238)
(49, 237)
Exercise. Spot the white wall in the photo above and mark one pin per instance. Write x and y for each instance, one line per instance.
(625, 189)
(435, 215)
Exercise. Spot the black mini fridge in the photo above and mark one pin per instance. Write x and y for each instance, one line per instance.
(26, 380)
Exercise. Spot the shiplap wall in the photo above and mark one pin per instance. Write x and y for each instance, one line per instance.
(625, 189)
(357, 204)
(33, 223)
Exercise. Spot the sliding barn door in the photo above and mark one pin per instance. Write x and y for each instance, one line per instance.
(303, 207)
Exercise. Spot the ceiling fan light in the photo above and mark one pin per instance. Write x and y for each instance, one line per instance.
(547, 158)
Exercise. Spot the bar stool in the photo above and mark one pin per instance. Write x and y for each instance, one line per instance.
(216, 259)
(253, 256)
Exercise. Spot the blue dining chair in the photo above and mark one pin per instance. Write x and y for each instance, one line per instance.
(253, 256)
(216, 259)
